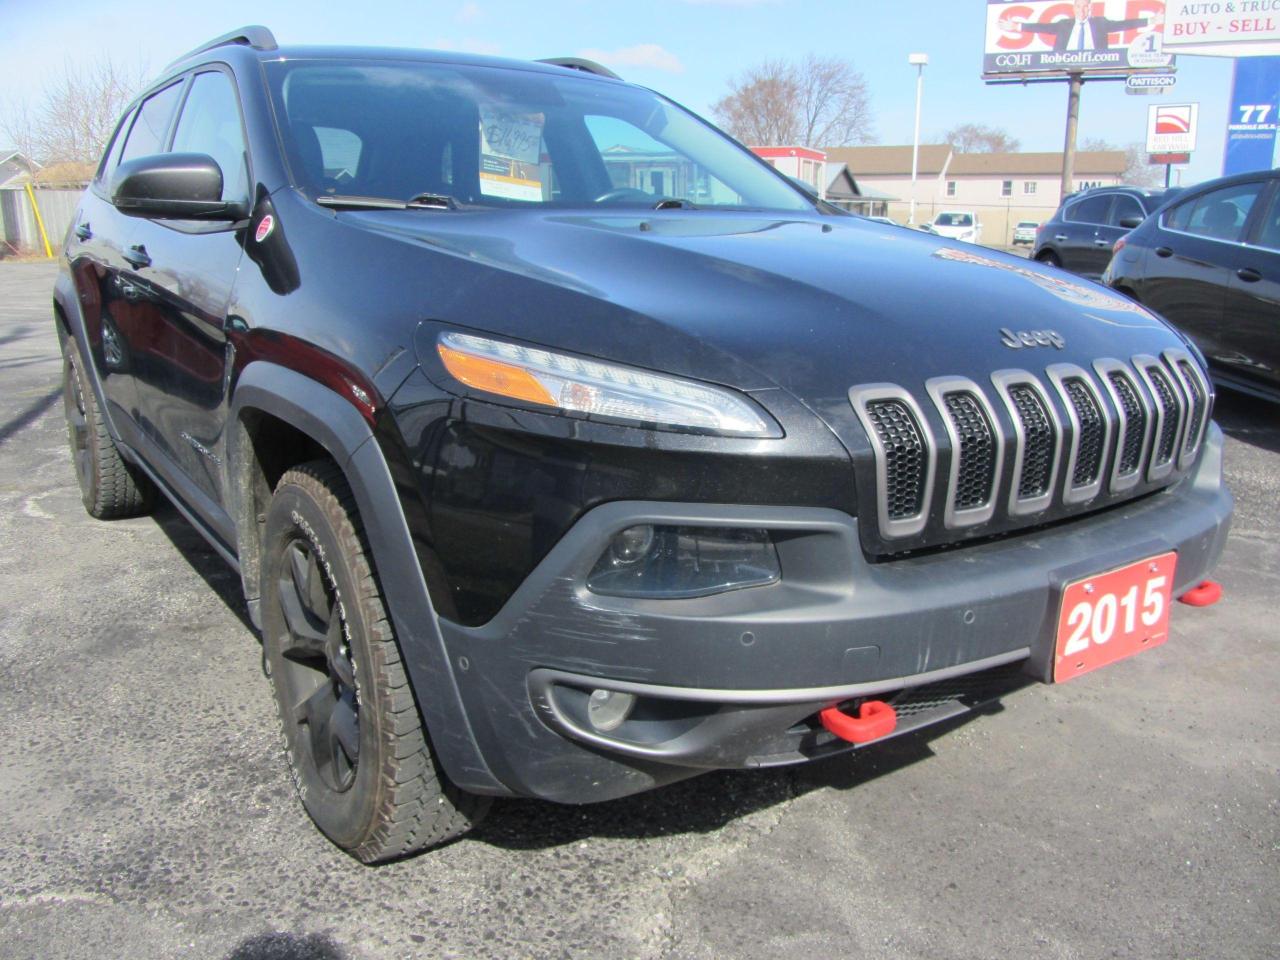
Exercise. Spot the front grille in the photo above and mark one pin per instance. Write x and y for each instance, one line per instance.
(1037, 442)
(1118, 429)
(904, 457)
(977, 450)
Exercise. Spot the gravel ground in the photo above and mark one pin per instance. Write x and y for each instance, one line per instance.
(145, 809)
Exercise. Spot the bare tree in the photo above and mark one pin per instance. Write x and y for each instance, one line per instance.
(1137, 171)
(979, 138)
(75, 113)
(814, 102)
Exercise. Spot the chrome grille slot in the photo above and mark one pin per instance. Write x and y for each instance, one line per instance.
(1135, 419)
(1037, 467)
(905, 456)
(977, 450)
(1168, 407)
(1133, 422)
(1199, 399)
(1090, 431)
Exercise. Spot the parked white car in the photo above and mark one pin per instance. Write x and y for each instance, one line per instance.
(958, 225)
(1025, 232)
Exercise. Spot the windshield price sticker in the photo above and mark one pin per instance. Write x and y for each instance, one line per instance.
(1113, 615)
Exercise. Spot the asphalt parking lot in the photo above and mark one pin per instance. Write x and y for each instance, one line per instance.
(145, 809)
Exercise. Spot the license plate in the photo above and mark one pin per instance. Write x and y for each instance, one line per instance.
(1113, 615)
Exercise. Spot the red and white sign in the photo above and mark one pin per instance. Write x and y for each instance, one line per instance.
(1113, 615)
(1171, 128)
(1250, 28)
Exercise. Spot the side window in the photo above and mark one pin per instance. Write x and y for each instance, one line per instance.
(1269, 236)
(1219, 214)
(210, 123)
(1089, 210)
(147, 134)
(1125, 206)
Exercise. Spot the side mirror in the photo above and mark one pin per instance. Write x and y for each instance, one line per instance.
(1130, 222)
(173, 186)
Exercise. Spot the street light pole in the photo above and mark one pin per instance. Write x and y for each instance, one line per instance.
(919, 61)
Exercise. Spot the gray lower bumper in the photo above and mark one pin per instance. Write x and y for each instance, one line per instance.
(734, 679)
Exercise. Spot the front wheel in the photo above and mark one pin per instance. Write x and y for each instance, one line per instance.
(358, 751)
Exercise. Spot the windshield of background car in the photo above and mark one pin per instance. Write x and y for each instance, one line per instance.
(953, 220)
(505, 137)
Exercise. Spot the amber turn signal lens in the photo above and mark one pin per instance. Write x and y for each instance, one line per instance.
(494, 377)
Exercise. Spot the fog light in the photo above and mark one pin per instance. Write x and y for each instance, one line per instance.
(681, 562)
(607, 709)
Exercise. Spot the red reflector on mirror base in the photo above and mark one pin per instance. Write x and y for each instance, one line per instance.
(1203, 594)
(875, 719)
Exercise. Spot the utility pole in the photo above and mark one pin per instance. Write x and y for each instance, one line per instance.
(919, 61)
(1073, 121)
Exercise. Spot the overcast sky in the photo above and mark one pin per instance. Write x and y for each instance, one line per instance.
(687, 49)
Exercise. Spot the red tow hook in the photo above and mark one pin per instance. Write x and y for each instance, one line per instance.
(875, 719)
(1204, 594)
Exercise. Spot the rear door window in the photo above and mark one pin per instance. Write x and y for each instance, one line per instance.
(210, 124)
(1125, 206)
(1218, 214)
(1269, 230)
(1089, 210)
(147, 136)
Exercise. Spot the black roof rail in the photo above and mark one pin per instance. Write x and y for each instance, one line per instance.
(257, 37)
(586, 66)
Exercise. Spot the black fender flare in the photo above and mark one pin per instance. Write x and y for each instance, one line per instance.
(339, 427)
(67, 300)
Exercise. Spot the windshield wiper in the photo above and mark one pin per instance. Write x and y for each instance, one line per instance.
(421, 201)
(372, 203)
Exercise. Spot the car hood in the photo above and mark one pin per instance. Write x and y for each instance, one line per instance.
(810, 304)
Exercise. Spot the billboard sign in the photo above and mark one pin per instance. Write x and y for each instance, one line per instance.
(1087, 36)
(1171, 128)
(1250, 27)
(1253, 122)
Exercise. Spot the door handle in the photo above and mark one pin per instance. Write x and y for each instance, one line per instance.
(1060, 237)
(137, 256)
(1164, 252)
(83, 232)
(1099, 242)
(1248, 275)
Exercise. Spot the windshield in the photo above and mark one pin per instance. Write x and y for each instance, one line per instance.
(953, 220)
(1027, 224)
(505, 137)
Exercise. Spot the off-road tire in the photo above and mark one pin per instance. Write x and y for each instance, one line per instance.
(396, 800)
(110, 487)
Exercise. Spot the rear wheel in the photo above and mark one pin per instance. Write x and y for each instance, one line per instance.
(110, 487)
(357, 748)
(1049, 259)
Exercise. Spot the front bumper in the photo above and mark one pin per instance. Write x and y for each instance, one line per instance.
(735, 680)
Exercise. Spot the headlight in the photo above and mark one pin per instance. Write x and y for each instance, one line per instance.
(603, 389)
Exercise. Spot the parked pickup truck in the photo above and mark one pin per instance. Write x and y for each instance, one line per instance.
(548, 473)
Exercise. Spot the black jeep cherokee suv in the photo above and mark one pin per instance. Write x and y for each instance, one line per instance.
(565, 449)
